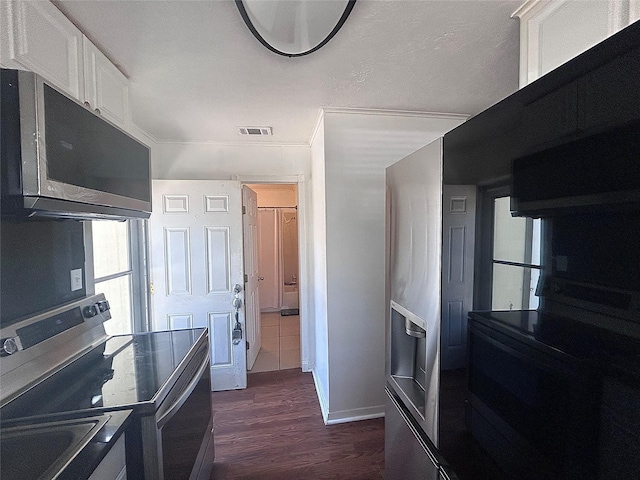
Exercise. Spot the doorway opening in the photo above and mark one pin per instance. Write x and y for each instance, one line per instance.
(279, 278)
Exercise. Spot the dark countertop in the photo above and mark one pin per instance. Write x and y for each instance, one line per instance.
(89, 457)
(616, 353)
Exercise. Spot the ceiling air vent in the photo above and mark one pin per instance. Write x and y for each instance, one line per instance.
(258, 131)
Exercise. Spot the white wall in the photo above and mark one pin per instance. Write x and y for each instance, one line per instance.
(186, 161)
(318, 268)
(358, 146)
(275, 195)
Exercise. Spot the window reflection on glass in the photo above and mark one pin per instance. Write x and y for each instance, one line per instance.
(118, 293)
(110, 247)
(514, 237)
(516, 259)
(513, 287)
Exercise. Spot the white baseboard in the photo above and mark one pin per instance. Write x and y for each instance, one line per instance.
(321, 399)
(345, 416)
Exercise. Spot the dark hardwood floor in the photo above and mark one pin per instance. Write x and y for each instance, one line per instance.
(274, 430)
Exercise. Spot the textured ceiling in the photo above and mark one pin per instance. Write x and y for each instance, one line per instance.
(197, 73)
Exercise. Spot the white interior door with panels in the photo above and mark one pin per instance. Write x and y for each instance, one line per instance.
(251, 290)
(458, 242)
(196, 261)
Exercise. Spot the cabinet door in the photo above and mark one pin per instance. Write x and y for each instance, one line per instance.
(106, 88)
(5, 37)
(43, 40)
(553, 32)
(550, 117)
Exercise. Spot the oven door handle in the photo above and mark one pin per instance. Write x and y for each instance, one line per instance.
(184, 395)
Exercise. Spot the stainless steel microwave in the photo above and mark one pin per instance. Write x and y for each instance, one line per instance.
(61, 159)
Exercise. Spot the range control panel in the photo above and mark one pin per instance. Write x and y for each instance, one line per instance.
(41, 327)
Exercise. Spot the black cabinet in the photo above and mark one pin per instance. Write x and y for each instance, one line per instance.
(610, 94)
(552, 116)
(592, 93)
(619, 455)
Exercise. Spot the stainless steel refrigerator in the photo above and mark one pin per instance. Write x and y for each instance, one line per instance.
(427, 304)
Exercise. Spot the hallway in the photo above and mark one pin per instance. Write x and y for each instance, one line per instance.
(280, 343)
(273, 430)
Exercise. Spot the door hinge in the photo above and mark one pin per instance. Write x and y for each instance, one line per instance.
(244, 209)
(247, 345)
(151, 289)
(246, 278)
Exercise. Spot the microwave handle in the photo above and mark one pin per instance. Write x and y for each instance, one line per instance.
(184, 395)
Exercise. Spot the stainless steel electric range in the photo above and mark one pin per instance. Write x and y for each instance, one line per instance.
(61, 363)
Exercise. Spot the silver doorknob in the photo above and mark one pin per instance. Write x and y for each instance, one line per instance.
(260, 278)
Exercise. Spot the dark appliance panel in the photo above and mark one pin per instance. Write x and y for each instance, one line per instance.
(541, 402)
(602, 246)
(619, 453)
(182, 435)
(592, 174)
(80, 151)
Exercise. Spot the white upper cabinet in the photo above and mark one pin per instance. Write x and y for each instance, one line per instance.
(36, 36)
(554, 31)
(106, 88)
(43, 40)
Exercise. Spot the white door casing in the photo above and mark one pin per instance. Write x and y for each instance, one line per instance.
(196, 259)
(458, 242)
(268, 259)
(251, 289)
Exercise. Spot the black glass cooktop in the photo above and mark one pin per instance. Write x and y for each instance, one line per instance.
(557, 334)
(123, 372)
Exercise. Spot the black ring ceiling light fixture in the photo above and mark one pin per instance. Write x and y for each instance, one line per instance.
(294, 28)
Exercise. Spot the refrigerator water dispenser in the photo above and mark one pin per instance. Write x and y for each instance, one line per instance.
(407, 359)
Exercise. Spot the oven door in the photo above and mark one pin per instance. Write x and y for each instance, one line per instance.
(534, 411)
(178, 439)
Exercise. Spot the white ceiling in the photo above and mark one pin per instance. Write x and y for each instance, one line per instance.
(197, 72)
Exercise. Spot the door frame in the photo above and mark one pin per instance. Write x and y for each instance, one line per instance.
(304, 290)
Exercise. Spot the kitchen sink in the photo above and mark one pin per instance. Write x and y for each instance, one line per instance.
(44, 450)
